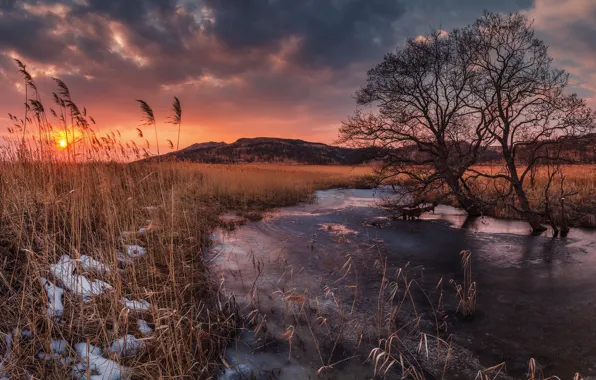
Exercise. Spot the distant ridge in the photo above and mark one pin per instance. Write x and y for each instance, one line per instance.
(581, 149)
(271, 149)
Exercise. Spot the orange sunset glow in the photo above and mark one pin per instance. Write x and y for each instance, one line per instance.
(270, 69)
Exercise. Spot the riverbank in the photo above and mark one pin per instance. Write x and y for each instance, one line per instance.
(103, 271)
(579, 194)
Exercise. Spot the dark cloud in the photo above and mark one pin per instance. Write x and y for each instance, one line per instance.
(28, 35)
(238, 65)
(330, 32)
(150, 22)
(7, 5)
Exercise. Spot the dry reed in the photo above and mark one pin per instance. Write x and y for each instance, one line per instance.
(51, 209)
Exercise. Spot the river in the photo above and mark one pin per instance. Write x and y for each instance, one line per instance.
(327, 280)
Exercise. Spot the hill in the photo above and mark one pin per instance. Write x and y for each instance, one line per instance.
(270, 149)
(277, 150)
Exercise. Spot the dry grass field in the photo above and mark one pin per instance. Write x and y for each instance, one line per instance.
(579, 192)
(579, 183)
(93, 254)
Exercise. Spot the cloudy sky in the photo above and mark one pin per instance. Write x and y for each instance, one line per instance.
(244, 68)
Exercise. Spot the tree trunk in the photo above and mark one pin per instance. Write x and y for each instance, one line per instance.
(564, 225)
(552, 221)
(527, 213)
(530, 217)
(465, 201)
(469, 205)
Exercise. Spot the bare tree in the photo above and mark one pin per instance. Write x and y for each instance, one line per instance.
(524, 97)
(425, 124)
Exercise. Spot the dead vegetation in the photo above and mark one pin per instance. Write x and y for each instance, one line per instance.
(52, 209)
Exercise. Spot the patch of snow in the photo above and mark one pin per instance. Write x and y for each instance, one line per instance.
(227, 245)
(127, 346)
(88, 263)
(92, 360)
(131, 251)
(4, 375)
(64, 269)
(144, 327)
(79, 371)
(134, 250)
(58, 346)
(9, 339)
(57, 352)
(216, 238)
(136, 305)
(55, 293)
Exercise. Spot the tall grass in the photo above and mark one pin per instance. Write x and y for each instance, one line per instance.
(578, 192)
(466, 291)
(50, 209)
(575, 184)
(176, 119)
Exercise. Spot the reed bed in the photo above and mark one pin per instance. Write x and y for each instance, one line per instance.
(53, 211)
(579, 183)
(578, 192)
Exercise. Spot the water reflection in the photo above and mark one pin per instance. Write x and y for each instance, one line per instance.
(535, 293)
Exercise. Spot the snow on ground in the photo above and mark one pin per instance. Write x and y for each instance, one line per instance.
(127, 346)
(64, 270)
(131, 251)
(89, 364)
(144, 327)
(55, 293)
(89, 359)
(58, 351)
(25, 333)
(92, 360)
(89, 264)
(136, 305)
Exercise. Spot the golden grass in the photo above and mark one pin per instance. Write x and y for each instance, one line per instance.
(579, 187)
(579, 181)
(53, 209)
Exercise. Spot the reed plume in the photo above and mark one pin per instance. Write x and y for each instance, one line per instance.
(177, 118)
(28, 83)
(149, 119)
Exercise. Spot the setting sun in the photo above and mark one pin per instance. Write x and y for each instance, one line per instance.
(62, 143)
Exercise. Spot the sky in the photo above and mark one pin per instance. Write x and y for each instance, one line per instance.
(244, 68)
